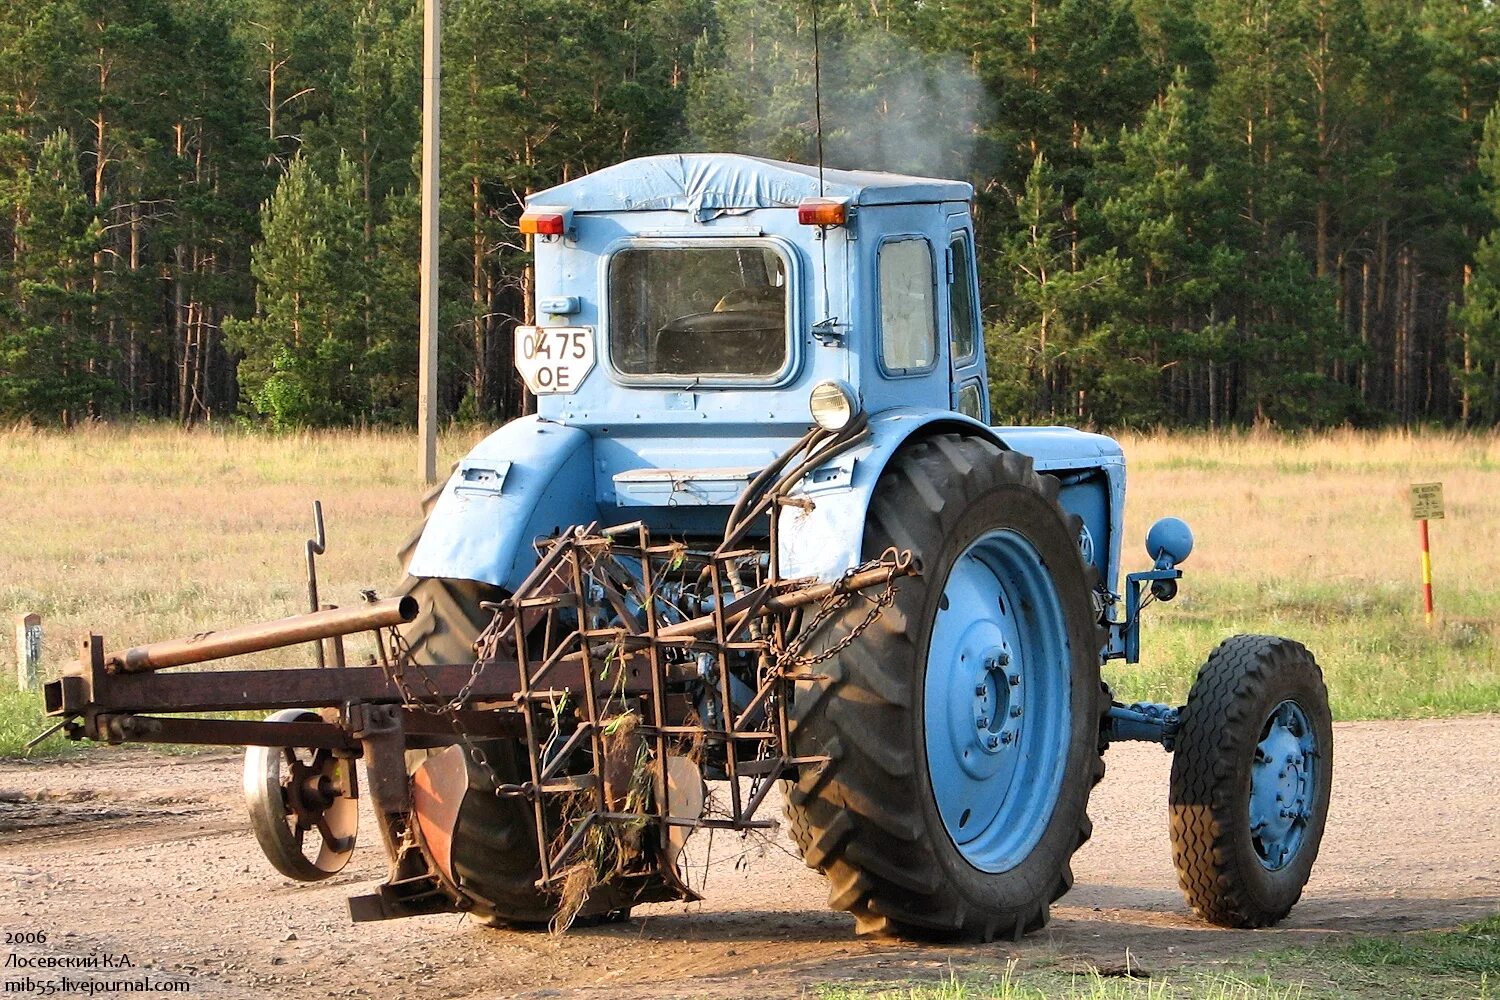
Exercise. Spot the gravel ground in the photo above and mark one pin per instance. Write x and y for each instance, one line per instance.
(127, 852)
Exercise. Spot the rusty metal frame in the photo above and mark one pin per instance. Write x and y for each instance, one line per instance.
(539, 631)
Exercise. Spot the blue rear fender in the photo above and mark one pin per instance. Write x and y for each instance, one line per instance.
(828, 539)
(529, 479)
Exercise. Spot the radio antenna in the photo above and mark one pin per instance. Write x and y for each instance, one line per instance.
(818, 95)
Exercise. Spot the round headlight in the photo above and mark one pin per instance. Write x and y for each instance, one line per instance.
(833, 405)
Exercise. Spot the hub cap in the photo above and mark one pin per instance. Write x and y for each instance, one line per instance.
(1283, 785)
(997, 709)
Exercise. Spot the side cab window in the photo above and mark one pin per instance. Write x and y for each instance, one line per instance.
(967, 357)
(962, 310)
(908, 306)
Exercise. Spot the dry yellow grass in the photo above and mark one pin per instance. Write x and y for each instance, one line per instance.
(149, 532)
(1312, 537)
(1332, 509)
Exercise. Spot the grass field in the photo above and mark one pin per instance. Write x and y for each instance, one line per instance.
(151, 532)
(1462, 964)
(1312, 537)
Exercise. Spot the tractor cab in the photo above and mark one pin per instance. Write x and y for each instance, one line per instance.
(721, 290)
(696, 314)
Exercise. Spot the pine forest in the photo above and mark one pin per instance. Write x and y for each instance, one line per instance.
(1196, 213)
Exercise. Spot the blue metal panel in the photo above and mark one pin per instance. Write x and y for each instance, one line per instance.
(827, 540)
(878, 390)
(530, 478)
(1081, 460)
(577, 270)
(971, 370)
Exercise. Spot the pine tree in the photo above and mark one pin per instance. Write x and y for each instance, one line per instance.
(304, 353)
(394, 302)
(205, 220)
(1164, 205)
(1053, 336)
(1479, 314)
(1056, 72)
(50, 360)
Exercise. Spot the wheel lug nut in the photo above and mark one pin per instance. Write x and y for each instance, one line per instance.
(1015, 711)
(992, 742)
(1004, 659)
(1015, 680)
(981, 690)
(1007, 737)
(981, 723)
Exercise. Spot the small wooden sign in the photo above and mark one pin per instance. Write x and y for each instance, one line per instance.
(1427, 501)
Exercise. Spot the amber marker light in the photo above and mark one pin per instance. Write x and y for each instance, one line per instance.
(822, 212)
(544, 222)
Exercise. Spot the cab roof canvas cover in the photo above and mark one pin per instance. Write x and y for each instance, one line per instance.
(707, 184)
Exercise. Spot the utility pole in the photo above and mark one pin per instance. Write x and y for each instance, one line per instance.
(432, 30)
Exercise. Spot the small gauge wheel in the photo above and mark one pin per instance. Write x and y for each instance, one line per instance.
(291, 792)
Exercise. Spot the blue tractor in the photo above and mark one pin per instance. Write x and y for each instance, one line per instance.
(761, 532)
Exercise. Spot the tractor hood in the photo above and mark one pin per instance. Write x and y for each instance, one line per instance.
(709, 184)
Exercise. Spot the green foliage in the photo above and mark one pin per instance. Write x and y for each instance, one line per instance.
(21, 721)
(1279, 211)
(304, 351)
(1473, 949)
(48, 353)
(1058, 297)
(1479, 314)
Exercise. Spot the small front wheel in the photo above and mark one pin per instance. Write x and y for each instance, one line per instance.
(1250, 780)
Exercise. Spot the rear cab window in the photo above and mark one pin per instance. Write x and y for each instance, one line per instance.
(695, 314)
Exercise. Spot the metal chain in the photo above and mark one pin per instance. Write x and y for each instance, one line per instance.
(401, 658)
(827, 609)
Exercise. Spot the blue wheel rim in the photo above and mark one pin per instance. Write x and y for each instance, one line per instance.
(1283, 785)
(997, 712)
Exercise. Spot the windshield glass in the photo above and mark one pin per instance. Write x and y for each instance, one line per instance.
(698, 312)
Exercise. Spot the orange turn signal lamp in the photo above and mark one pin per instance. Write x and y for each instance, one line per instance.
(823, 212)
(542, 221)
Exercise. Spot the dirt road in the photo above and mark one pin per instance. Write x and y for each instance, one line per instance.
(131, 852)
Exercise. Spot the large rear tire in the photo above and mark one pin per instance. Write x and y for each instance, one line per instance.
(452, 613)
(962, 728)
(494, 853)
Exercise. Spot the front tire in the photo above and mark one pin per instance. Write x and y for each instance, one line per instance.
(962, 728)
(1251, 777)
